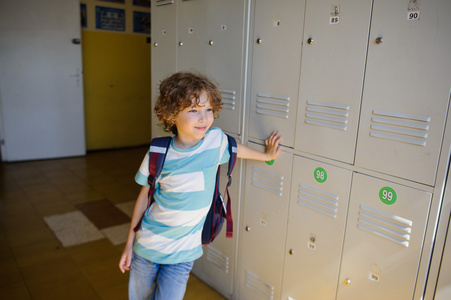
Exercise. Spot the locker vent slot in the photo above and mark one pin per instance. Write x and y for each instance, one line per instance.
(318, 200)
(273, 105)
(391, 227)
(218, 258)
(260, 286)
(228, 98)
(268, 181)
(329, 115)
(163, 2)
(405, 128)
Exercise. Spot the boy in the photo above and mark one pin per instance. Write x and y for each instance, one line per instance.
(161, 254)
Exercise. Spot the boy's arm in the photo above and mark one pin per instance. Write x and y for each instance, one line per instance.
(138, 211)
(271, 152)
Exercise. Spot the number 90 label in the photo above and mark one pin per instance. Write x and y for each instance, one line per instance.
(387, 195)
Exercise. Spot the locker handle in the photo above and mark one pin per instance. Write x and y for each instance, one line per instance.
(310, 41)
(180, 44)
(155, 44)
(210, 42)
(259, 41)
(248, 228)
(348, 281)
(379, 40)
(291, 251)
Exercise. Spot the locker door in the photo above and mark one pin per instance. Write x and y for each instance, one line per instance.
(192, 28)
(262, 240)
(225, 58)
(407, 89)
(217, 266)
(333, 62)
(164, 50)
(316, 223)
(384, 236)
(276, 57)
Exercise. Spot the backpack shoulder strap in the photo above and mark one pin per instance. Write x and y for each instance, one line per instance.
(157, 154)
(233, 150)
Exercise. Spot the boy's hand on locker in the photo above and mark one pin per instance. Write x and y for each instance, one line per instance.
(272, 145)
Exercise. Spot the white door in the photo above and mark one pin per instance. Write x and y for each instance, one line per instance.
(41, 84)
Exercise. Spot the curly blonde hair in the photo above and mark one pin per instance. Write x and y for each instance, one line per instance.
(180, 91)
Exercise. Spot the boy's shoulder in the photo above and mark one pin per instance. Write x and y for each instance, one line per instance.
(215, 133)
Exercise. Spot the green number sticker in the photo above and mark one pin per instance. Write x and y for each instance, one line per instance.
(387, 195)
(320, 175)
(269, 162)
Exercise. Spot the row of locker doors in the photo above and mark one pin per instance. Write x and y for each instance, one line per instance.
(365, 82)
(358, 81)
(205, 36)
(312, 230)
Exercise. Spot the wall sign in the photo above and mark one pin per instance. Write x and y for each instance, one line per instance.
(110, 18)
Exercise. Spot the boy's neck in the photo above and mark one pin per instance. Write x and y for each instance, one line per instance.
(184, 144)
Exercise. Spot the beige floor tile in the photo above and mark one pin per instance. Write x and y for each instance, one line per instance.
(197, 290)
(9, 271)
(25, 230)
(95, 274)
(15, 291)
(90, 253)
(38, 253)
(73, 228)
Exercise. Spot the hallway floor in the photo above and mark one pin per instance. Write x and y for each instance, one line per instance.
(63, 225)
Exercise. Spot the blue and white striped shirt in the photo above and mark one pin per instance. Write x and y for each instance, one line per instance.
(172, 228)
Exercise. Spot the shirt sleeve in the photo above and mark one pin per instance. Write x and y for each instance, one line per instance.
(143, 172)
(225, 155)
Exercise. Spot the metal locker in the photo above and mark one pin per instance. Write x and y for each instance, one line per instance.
(406, 90)
(217, 265)
(384, 237)
(164, 50)
(316, 224)
(192, 29)
(332, 70)
(276, 57)
(226, 33)
(263, 227)
(443, 287)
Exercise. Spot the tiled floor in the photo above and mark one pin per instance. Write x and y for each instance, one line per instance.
(62, 227)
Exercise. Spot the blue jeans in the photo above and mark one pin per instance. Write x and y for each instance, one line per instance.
(154, 281)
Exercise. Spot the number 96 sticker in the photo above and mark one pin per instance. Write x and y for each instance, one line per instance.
(387, 195)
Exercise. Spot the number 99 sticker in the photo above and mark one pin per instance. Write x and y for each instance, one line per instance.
(387, 195)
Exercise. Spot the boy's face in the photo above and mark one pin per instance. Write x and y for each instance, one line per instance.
(194, 121)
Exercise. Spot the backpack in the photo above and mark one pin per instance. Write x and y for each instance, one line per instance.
(218, 212)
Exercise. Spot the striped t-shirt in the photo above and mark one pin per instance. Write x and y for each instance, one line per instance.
(171, 229)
